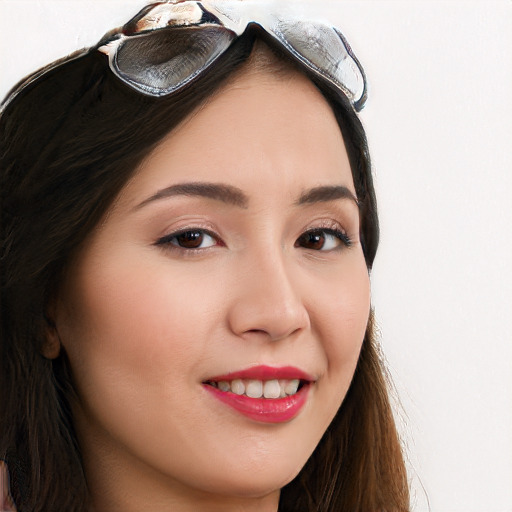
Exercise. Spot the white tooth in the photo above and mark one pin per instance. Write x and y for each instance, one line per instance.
(271, 389)
(282, 384)
(238, 387)
(254, 388)
(224, 386)
(291, 387)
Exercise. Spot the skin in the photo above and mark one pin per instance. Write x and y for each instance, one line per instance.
(144, 324)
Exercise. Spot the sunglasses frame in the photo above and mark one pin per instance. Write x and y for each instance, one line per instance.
(233, 18)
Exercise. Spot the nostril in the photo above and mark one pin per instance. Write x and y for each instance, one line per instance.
(272, 333)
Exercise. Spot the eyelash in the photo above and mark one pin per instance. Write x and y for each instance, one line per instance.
(167, 240)
(342, 237)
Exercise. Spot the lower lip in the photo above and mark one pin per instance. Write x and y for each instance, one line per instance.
(266, 410)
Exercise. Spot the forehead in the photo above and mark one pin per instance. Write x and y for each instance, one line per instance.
(261, 130)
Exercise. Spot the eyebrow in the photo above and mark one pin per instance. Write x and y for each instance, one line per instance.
(232, 195)
(217, 191)
(326, 193)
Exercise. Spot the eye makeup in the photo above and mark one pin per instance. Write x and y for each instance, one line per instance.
(190, 239)
(323, 239)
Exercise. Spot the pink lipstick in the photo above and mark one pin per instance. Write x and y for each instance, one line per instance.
(263, 393)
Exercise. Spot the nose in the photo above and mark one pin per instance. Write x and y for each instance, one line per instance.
(268, 302)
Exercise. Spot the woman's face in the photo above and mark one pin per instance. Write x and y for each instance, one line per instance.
(232, 256)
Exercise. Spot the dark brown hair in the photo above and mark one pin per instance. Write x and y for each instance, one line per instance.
(69, 145)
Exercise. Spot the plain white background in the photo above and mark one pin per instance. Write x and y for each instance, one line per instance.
(439, 122)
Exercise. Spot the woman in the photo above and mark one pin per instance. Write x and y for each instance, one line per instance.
(187, 237)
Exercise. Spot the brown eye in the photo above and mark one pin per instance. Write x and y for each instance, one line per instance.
(312, 240)
(322, 240)
(189, 239)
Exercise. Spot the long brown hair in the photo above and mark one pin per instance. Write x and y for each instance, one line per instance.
(69, 145)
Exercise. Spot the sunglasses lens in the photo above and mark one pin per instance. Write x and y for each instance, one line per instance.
(322, 48)
(160, 62)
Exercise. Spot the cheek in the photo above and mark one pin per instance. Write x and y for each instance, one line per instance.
(135, 335)
(350, 318)
(140, 324)
(341, 325)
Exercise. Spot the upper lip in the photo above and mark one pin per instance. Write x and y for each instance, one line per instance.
(264, 372)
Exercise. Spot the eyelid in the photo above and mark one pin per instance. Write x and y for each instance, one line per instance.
(325, 224)
(344, 241)
(347, 237)
(165, 241)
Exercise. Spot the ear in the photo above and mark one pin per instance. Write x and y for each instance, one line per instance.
(6, 503)
(51, 345)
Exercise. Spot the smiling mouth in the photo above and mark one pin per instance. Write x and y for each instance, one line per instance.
(263, 393)
(255, 388)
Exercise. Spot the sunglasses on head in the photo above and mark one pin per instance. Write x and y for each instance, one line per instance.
(169, 44)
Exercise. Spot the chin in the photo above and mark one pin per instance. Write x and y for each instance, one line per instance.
(249, 484)
(254, 476)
